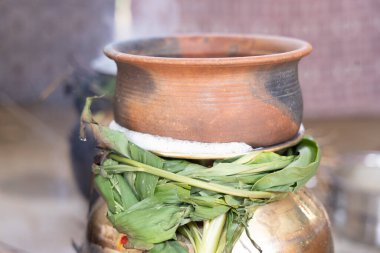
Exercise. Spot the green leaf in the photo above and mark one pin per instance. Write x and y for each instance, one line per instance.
(143, 156)
(105, 189)
(181, 166)
(297, 173)
(130, 177)
(202, 213)
(145, 183)
(268, 157)
(263, 162)
(209, 201)
(237, 179)
(131, 165)
(191, 169)
(245, 159)
(150, 221)
(192, 232)
(233, 201)
(168, 247)
(234, 228)
(171, 193)
(127, 196)
(221, 169)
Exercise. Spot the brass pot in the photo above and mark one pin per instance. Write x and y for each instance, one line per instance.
(295, 224)
(210, 88)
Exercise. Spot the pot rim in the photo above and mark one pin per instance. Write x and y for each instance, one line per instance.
(302, 48)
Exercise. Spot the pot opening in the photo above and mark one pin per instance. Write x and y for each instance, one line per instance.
(207, 46)
(205, 55)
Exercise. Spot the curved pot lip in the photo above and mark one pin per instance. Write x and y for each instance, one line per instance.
(303, 48)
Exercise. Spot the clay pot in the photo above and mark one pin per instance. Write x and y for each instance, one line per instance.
(297, 223)
(210, 88)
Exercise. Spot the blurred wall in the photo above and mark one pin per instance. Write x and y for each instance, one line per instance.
(340, 78)
(41, 39)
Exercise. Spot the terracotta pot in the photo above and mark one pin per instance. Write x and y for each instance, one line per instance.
(297, 223)
(210, 88)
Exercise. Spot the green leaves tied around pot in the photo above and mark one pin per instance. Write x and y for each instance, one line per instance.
(155, 200)
(160, 222)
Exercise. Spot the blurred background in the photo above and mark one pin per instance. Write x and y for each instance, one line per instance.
(51, 59)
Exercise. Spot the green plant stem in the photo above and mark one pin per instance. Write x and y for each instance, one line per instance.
(222, 242)
(212, 231)
(183, 179)
(191, 232)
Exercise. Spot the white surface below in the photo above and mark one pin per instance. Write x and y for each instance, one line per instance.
(170, 145)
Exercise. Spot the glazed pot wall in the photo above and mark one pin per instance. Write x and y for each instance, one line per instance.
(223, 100)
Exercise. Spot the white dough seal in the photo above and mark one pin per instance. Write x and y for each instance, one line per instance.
(167, 145)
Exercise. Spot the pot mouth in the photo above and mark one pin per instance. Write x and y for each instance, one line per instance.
(209, 49)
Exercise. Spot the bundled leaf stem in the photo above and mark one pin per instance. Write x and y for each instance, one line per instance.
(137, 166)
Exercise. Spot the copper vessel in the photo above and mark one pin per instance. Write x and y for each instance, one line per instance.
(295, 224)
(210, 88)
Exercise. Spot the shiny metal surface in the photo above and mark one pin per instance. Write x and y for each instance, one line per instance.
(295, 224)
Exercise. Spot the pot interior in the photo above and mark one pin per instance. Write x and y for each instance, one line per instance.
(209, 46)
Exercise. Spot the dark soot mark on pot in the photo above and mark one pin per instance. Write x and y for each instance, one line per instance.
(134, 84)
(283, 85)
(234, 51)
(135, 79)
